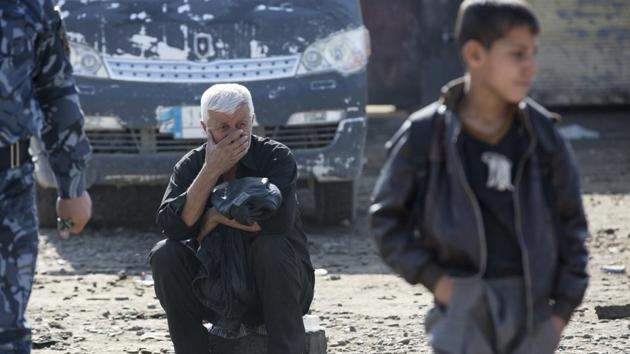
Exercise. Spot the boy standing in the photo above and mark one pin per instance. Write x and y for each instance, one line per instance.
(479, 199)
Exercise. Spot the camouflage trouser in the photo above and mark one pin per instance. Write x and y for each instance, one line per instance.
(18, 252)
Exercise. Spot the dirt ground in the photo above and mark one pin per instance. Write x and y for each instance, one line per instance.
(88, 295)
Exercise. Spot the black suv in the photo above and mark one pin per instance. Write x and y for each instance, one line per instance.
(142, 65)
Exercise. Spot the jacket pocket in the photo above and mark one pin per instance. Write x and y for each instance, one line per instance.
(456, 330)
(544, 340)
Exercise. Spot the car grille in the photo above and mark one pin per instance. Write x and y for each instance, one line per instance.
(303, 136)
(136, 141)
(141, 70)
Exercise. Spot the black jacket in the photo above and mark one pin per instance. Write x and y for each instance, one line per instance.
(265, 158)
(423, 235)
(223, 283)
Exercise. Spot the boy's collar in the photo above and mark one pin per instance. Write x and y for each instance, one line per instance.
(453, 93)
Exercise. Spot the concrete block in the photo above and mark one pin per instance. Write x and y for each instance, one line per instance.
(257, 344)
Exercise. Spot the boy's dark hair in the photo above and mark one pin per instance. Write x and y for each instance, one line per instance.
(489, 20)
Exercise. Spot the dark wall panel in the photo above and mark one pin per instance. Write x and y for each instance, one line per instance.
(393, 72)
(413, 52)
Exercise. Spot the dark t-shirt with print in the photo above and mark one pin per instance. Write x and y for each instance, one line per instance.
(490, 171)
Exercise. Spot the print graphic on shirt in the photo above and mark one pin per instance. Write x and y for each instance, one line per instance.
(499, 171)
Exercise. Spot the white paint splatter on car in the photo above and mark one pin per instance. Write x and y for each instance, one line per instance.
(257, 49)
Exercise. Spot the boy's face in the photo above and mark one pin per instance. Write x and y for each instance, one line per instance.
(508, 67)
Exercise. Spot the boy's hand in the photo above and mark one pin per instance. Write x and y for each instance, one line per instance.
(558, 324)
(442, 290)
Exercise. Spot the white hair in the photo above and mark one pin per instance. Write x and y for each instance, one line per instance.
(225, 98)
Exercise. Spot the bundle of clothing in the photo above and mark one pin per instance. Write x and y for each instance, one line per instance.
(224, 284)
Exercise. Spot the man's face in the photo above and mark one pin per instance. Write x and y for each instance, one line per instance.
(509, 66)
(219, 124)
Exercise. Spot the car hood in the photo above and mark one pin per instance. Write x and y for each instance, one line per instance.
(204, 30)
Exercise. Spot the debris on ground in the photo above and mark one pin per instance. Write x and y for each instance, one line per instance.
(619, 269)
(612, 312)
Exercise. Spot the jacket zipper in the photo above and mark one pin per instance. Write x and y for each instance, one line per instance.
(477, 210)
(519, 231)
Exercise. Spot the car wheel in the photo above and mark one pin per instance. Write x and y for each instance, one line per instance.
(335, 201)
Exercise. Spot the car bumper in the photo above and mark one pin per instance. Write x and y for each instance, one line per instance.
(341, 160)
(274, 100)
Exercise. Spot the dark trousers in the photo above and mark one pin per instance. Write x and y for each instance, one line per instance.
(284, 286)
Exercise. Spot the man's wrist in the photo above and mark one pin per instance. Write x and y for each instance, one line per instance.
(209, 172)
(70, 187)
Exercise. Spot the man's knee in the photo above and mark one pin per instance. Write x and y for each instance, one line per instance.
(167, 255)
(273, 253)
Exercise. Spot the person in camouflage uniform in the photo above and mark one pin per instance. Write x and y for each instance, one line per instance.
(38, 99)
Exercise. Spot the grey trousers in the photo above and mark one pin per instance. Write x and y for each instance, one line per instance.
(488, 317)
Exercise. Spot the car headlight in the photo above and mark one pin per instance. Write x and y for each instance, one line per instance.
(346, 52)
(316, 117)
(86, 61)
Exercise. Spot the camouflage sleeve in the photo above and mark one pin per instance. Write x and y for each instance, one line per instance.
(63, 135)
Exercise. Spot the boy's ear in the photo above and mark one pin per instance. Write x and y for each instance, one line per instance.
(473, 53)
